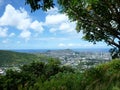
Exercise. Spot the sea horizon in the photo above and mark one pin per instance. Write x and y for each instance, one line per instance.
(74, 49)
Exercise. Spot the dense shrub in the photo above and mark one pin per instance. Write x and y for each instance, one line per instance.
(53, 76)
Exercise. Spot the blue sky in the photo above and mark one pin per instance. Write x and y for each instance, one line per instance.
(21, 29)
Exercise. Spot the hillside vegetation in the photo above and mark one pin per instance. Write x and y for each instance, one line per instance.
(53, 76)
(10, 58)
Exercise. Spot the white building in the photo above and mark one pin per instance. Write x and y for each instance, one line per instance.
(1, 71)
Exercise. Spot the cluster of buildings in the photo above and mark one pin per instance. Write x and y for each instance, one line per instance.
(85, 59)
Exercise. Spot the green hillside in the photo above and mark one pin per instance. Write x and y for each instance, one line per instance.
(10, 58)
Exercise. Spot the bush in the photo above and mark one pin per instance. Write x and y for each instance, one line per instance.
(53, 76)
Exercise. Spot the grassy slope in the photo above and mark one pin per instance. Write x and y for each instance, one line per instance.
(15, 58)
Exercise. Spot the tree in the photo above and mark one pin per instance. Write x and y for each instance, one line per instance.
(99, 20)
(40, 4)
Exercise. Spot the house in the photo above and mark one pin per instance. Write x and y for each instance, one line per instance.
(1, 71)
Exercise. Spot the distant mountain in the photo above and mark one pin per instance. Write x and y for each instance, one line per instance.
(64, 51)
(59, 50)
(10, 58)
(60, 53)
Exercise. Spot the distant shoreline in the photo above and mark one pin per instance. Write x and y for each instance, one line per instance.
(77, 50)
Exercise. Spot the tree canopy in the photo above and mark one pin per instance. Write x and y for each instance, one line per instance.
(99, 20)
(40, 4)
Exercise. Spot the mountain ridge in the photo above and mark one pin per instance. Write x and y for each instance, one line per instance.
(14, 58)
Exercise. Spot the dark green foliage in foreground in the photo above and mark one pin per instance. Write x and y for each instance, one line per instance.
(102, 77)
(31, 74)
(53, 76)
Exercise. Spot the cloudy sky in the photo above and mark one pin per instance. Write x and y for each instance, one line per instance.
(21, 29)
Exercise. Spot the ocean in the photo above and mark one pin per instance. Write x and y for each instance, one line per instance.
(77, 50)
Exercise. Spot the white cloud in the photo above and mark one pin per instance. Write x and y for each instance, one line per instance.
(12, 34)
(24, 24)
(3, 32)
(25, 35)
(37, 26)
(59, 22)
(70, 44)
(52, 11)
(13, 17)
(5, 41)
(64, 26)
(18, 42)
(81, 45)
(55, 19)
(67, 26)
(51, 39)
(52, 30)
(17, 18)
(75, 45)
(20, 19)
(62, 45)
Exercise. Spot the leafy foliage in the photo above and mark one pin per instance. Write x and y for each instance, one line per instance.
(52, 76)
(38, 4)
(97, 19)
